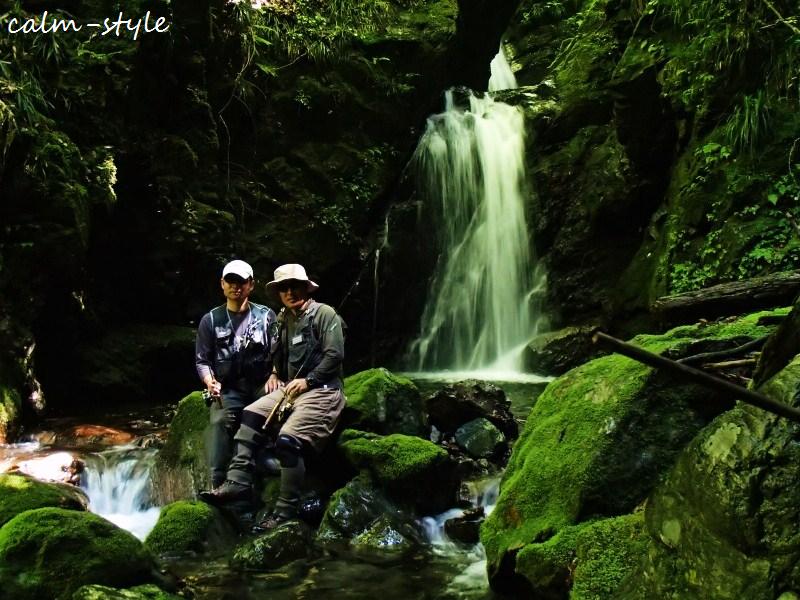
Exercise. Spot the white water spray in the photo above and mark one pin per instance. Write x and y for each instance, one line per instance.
(481, 311)
(118, 485)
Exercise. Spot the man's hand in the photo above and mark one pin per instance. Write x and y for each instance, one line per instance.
(296, 387)
(273, 383)
(214, 386)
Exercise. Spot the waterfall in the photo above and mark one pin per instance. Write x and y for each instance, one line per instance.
(118, 485)
(471, 162)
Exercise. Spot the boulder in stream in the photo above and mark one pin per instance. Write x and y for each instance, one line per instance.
(19, 493)
(413, 471)
(190, 526)
(288, 542)
(556, 352)
(380, 401)
(51, 552)
(479, 438)
(458, 403)
(182, 466)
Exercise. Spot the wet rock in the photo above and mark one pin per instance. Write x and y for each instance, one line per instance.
(382, 542)
(93, 436)
(361, 507)
(182, 465)
(556, 352)
(139, 592)
(456, 404)
(466, 528)
(60, 467)
(480, 439)
(382, 402)
(287, 542)
(411, 470)
(19, 493)
(189, 526)
(311, 510)
(51, 552)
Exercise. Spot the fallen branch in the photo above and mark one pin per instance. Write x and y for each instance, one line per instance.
(729, 364)
(691, 374)
(732, 298)
(750, 346)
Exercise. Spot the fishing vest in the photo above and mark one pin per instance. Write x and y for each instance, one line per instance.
(248, 364)
(303, 352)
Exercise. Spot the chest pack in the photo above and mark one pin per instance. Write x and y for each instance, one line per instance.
(243, 352)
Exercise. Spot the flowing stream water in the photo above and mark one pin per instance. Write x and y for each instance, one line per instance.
(482, 305)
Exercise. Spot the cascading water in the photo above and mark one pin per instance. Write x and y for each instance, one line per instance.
(480, 312)
(118, 485)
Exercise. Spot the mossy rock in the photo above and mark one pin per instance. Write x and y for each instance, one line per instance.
(597, 441)
(182, 464)
(189, 526)
(10, 412)
(288, 542)
(19, 493)
(382, 402)
(587, 561)
(51, 552)
(139, 592)
(413, 470)
(724, 522)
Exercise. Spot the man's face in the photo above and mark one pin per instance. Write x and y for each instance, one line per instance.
(293, 293)
(235, 288)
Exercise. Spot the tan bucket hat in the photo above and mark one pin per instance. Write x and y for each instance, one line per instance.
(288, 272)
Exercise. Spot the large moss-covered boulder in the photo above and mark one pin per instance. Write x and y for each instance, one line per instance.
(51, 552)
(556, 352)
(380, 401)
(19, 493)
(139, 592)
(596, 443)
(189, 526)
(458, 403)
(412, 470)
(724, 522)
(182, 464)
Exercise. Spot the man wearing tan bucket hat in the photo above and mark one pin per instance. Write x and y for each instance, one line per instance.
(307, 369)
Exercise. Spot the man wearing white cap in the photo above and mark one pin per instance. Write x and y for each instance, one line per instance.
(233, 359)
(308, 371)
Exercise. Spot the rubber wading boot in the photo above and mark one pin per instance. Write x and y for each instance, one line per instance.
(230, 491)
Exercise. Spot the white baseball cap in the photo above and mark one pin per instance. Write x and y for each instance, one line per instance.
(238, 267)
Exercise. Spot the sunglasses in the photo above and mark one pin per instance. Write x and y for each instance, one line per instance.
(289, 284)
(235, 279)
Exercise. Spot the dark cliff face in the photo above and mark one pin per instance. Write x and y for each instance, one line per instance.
(143, 166)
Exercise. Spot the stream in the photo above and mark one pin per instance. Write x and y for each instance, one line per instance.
(117, 481)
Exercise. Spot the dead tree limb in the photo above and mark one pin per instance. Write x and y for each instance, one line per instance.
(750, 346)
(691, 374)
(733, 298)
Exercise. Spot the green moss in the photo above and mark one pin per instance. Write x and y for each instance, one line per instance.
(10, 407)
(182, 526)
(185, 439)
(597, 439)
(139, 592)
(378, 400)
(51, 552)
(391, 458)
(19, 493)
(607, 551)
(548, 564)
